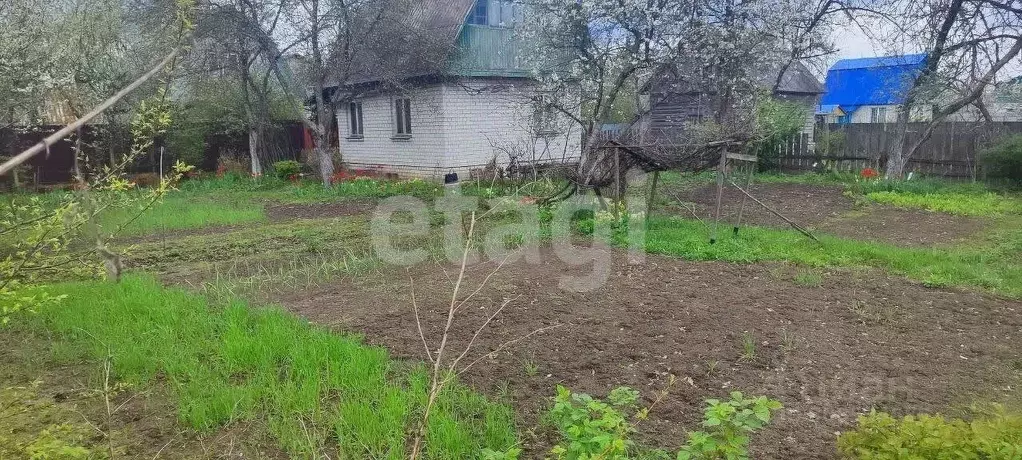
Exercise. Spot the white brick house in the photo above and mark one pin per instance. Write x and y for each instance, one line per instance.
(480, 107)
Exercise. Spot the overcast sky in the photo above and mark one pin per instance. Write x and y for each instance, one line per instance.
(852, 42)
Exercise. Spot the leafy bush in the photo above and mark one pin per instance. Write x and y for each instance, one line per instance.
(879, 436)
(187, 140)
(1004, 160)
(592, 428)
(287, 169)
(831, 142)
(729, 424)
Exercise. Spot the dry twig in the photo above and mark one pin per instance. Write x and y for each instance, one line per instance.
(444, 372)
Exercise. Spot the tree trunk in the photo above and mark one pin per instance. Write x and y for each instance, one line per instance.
(323, 149)
(254, 148)
(896, 159)
(323, 125)
(326, 165)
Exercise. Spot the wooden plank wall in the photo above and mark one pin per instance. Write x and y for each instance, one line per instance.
(952, 150)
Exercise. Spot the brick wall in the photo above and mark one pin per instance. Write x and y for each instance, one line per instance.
(486, 120)
(421, 155)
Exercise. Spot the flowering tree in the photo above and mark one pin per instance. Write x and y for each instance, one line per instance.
(586, 52)
(967, 43)
(24, 53)
(23, 73)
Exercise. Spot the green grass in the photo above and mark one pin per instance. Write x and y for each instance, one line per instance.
(991, 261)
(237, 201)
(181, 211)
(175, 211)
(257, 280)
(312, 389)
(985, 204)
(995, 265)
(312, 191)
(308, 191)
(921, 186)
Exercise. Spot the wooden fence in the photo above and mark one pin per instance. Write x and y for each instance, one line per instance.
(952, 151)
(285, 141)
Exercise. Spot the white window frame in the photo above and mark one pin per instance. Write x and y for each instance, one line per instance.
(878, 114)
(402, 109)
(356, 121)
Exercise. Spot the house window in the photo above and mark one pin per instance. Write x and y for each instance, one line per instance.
(403, 117)
(507, 15)
(878, 115)
(357, 129)
(480, 14)
(494, 13)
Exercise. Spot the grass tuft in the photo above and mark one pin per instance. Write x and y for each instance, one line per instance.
(808, 278)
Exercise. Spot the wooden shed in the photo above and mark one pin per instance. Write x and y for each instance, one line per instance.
(678, 99)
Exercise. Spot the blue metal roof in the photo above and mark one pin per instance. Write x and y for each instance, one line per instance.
(871, 81)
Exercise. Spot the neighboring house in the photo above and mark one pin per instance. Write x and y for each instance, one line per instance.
(1005, 101)
(675, 102)
(475, 107)
(830, 113)
(871, 90)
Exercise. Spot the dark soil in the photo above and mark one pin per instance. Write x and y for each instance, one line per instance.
(808, 205)
(825, 208)
(287, 212)
(905, 227)
(861, 340)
